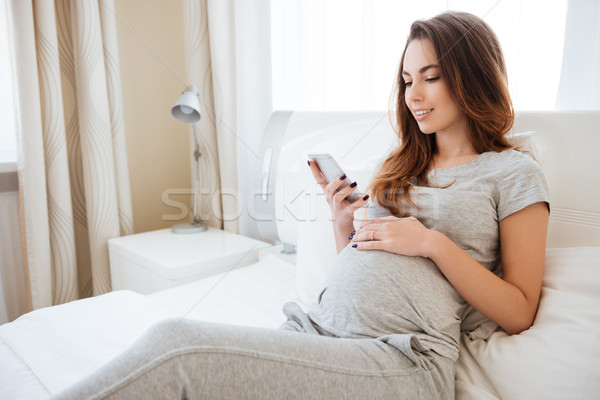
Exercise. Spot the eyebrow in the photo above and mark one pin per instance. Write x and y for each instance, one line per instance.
(425, 68)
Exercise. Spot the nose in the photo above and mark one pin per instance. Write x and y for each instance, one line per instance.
(414, 93)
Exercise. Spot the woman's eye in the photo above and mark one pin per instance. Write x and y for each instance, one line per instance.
(435, 78)
(407, 84)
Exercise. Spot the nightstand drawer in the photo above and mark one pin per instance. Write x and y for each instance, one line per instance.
(152, 261)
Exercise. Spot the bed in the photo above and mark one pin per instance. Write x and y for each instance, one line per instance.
(47, 350)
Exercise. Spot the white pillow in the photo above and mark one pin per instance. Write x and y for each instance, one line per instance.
(316, 254)
(524, 142)
(559, 356)
(573, 270)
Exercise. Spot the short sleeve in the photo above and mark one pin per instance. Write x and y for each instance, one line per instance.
(522, 185)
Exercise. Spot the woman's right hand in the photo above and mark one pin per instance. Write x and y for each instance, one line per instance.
(342, 211)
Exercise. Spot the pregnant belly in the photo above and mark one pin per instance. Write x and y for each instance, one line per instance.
(375, 293)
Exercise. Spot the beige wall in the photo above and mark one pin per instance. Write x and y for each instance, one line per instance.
(151, 47)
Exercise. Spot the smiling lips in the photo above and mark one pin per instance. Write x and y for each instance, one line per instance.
(420, 115)
(423, 112)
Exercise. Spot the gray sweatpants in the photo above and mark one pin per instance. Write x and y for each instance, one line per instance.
(185, 359)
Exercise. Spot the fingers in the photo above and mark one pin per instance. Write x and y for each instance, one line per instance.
(370, 226)
(371, 245)
(333, 189)
(329, 188)
(368, 240)
(360, 202)
(367, 236)
(375, 224)
(342, 194)
(385, 219)
(317, 174)
(379, 233)
(379, 224)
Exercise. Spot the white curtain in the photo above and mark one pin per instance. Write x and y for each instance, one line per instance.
(580, 76)
(73, 174)
(254, 96)
(211, 63)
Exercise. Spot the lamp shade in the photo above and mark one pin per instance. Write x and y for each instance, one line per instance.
(187, 106)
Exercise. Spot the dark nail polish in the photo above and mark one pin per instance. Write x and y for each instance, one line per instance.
(366, 197)
(343, 177)
(354, 245)
(308, 161)
(351, 235)
(353, 184)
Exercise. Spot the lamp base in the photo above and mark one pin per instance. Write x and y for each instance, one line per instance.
(189, 227)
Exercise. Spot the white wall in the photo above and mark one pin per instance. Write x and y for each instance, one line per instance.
(153, 71)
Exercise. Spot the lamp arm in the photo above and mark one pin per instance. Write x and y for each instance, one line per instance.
(197, 155)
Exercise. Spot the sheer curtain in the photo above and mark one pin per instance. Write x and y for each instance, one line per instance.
(580, 77)
(211, 66)
(343, 54)
(72, 163)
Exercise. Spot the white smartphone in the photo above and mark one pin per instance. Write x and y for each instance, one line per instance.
(331, 170)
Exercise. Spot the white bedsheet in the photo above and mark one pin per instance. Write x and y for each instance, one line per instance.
(47, 350)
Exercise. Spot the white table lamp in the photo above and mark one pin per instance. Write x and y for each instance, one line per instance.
(187, 109)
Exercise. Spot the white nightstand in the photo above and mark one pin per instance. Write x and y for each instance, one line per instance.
(152, 261)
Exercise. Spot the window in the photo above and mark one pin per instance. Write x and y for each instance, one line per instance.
(343, 54)
(8, 140)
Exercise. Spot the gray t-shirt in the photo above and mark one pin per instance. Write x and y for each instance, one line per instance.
(377, 293)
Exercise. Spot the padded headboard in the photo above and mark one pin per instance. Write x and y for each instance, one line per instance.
(566, 144)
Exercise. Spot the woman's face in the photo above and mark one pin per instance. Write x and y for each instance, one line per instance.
(427, 95)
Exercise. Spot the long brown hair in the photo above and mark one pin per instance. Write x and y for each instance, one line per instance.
(471, 61)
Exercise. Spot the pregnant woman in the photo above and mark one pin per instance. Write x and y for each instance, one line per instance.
(455, 235)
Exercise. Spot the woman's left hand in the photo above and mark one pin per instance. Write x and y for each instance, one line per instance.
(406, 236)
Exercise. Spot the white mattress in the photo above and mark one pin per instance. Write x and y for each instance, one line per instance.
(72, 340)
